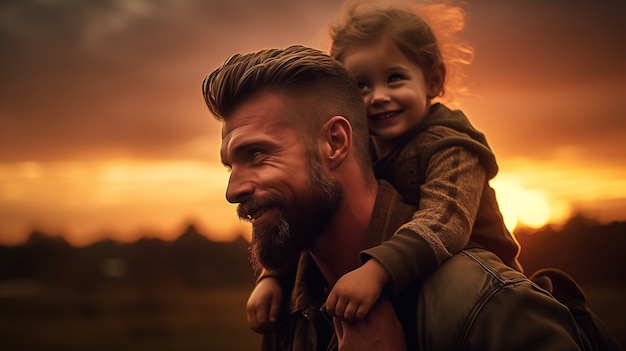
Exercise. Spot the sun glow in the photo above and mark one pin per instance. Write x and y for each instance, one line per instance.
(127, 199)
(521, 206)
(122, 199)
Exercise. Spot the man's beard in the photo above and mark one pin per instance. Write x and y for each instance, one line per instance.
(278, 245)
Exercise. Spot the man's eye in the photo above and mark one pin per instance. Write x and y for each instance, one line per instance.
(253, 154)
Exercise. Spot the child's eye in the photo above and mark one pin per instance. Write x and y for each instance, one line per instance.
(395, 78)
(362, 86)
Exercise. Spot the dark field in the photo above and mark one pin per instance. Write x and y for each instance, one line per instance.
(43, 319)
(35, 318)
(190, 294)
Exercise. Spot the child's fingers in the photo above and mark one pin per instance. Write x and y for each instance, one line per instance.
(350, 312)
(274, 308)
(255, 319)
(252, 319)
(250, 313)
(362, 311)
(340, 308)
(259, 321)
(331, 303)
(258, 315)
(338, 328)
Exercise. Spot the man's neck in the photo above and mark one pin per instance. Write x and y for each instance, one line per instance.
(337, 251)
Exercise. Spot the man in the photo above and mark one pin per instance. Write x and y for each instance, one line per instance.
(295, 138)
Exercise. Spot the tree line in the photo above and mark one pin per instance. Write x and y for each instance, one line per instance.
(589, 251)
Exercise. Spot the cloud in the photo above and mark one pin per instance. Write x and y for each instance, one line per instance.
(550, 76)
(117, 82)
(84, 79)
(121, 78)
(119, 17)
(77, 23)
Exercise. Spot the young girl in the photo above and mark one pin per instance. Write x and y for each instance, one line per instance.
(431, 154)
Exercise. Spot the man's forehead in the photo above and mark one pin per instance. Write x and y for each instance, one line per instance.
(264, 108)
(270, 113)
(254, 124)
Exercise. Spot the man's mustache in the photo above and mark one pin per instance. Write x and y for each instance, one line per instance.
(254, 207)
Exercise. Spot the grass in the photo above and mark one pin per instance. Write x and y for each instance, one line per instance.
(43, 318)
(609, 303)
(127, 320)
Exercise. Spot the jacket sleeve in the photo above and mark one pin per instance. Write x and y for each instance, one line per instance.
(441, 227)
(523, 317)
(476, 302)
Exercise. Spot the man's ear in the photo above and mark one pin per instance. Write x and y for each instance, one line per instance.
(435, 81)
(335, 141)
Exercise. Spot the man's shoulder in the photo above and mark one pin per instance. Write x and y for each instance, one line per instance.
(487, 263)
(475, 299)
(455, 295)
(477, 269)
(468, 281)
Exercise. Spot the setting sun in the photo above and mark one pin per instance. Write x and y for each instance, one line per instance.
(529, 207)
(134, 151)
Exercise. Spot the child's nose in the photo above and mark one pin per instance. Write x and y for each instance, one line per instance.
(379, 95)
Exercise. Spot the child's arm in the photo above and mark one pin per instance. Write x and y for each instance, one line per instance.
(449, 200)
(357, 291)
(264, 304)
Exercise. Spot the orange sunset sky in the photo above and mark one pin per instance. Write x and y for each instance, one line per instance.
(104, 133)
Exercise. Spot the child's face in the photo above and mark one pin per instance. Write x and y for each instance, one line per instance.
(394, 88)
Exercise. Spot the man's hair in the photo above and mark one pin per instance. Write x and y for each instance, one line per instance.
(322, 83)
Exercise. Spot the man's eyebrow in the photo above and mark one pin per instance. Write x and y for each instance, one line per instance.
(258, 144)
(245, 146)
(223, 155)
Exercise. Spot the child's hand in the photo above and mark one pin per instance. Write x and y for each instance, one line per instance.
(380, 330)
(357, 291)
(263, 305)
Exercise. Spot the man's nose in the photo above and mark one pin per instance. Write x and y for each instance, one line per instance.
(239, 186)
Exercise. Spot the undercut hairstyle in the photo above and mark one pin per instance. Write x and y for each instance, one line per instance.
(320, 84)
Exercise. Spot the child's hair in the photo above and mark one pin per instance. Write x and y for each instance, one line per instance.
(426, 33)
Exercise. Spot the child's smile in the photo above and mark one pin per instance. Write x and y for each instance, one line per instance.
(394, 89)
